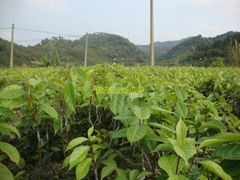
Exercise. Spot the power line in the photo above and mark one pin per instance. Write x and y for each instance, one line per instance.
(29, 40)
(5, 28)
(46, 32)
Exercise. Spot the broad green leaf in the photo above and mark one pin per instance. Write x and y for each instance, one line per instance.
(34, 82)
(10, 128)
(69, 95)
(177, 177)
(120, 134)
(228, 151)
(181, 94)
(52, 113)
(136, 132)
(181, 131)
(182, 109)
(11, 151)
(216, 169)
(163, 147)
(221, 138)
(5, 173)
(110, 160)
(83, 168)
(143, 174)
(121, 174)
(75, 142)
(133, 174)
(78, 155)
(12, 92)
(106, 171)
(49, 110)
(160, 126)
(116, 104)
(141, 112)
(19, 175)
(215, 124)
(185, 150)
(66, 161)
(158, 109)
(90, 131)
(169, 164)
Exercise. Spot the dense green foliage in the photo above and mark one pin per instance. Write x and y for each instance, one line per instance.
(124, 123)
(200, 51)
(103, 48)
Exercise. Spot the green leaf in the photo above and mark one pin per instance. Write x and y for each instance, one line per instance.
(34, 82)
(83, 168)
(116, 104)
(5, 173)
(75, 142)
(49, 110)
(136, 132)
(78, 155)
(177, 177)
(66, 161)
(158, 109)
(69, 95)
(160, 126)
(182, 109)
(143, 174)
(214, 124)
(120, 134)
(228, 151)
(121, 174)
(90, 131)
(181, 131)
(215, 168)
(11, 151)
(141, 112)
(11, 92)
(10, 128)
(181, 94)
(52, 113)
(169, 164)
(163, 147)
(133, 174)
(185, 150)
(110, 160)
(19, 175)
(221, 138)
(106, 171)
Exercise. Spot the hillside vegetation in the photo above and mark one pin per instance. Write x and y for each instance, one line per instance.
(103, 48)
(201, 51)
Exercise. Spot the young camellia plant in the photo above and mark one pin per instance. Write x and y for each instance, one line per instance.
(85, 153)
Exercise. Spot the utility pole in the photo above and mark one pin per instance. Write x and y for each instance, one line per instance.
(12, 43)
(152, 33)
(86, 51)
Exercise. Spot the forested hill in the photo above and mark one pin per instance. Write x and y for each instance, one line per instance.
(103, 48)
(201, 51)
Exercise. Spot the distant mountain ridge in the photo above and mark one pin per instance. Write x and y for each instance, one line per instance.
(161, 48)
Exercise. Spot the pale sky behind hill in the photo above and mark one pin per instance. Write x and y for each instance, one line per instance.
(174, 19)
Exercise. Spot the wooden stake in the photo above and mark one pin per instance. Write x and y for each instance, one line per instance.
(12, 45)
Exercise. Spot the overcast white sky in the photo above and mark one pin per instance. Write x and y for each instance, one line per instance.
(174, 19)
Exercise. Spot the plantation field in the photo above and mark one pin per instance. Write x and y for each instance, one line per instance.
(116, 122)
